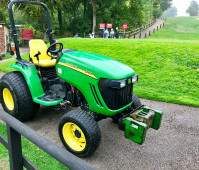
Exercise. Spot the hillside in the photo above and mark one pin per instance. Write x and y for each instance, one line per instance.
(168, 67)
(179, 28)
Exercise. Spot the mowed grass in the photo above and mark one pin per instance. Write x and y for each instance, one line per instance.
(37, 156)
(179, 28)
(168, 71)
(167, 62)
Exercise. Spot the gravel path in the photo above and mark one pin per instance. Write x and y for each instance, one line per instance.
(174, 146)
(145, 33)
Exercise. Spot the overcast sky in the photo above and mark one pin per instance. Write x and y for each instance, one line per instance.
(182, 6)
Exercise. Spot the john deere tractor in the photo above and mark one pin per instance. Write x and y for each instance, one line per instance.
(100, 86)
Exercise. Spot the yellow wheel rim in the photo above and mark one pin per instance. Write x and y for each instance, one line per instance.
(74, 137)
(8, 99)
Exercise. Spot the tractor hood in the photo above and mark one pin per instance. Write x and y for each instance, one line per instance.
(98, 65)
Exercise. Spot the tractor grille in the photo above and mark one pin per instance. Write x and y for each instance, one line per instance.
(116, 98)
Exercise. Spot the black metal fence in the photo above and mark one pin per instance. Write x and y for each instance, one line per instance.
(138, 31)
(13, 144)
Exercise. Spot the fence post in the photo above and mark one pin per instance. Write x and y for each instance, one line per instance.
(140, 35)
(157, 28)
(14, 148)
(153, 30)
(149, 33)
(145, 35)
(134, 35)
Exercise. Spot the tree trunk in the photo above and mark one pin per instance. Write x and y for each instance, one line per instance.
(60, 20)
(44, 28)
(85, 5)
(94, 14)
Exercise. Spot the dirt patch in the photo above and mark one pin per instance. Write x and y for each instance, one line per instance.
(4, 165)
(181, 29)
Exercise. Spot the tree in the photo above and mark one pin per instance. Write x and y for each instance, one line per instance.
(160, 6)
(82, 16)
(165, 4)
(171, 12)
(94, 14)
(193, 8)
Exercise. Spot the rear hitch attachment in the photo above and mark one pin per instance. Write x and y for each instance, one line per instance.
(138, 122)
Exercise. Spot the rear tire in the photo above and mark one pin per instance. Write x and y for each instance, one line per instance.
(136, 104)
(79, 133)
(16, 98)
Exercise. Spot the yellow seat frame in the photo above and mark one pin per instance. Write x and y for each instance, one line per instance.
(44, 59)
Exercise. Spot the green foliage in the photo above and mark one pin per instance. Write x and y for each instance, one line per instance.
(171, 12)
(2, 14)
(28, 27)
(165, 4)
(193, 8)
(5, 56)
(37, 156)
(76, 16)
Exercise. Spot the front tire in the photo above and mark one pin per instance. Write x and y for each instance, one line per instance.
(16, 98)
(79, 133)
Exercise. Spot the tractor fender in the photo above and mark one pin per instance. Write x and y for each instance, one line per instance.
(32, 79)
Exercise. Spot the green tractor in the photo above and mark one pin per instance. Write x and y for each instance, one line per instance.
(100, 86)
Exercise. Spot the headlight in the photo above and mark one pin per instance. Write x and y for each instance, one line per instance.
(122, 83)
(135, 78)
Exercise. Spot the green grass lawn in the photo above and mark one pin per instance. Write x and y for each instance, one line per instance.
(37, 156)
(180, 28)
(168, 70)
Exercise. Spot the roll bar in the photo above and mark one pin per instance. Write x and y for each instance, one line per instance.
(13, 28)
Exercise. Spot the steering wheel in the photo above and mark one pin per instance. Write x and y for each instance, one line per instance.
(52, 51)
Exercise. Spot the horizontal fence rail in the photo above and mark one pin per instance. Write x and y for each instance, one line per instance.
(137, 30)
(16, 128)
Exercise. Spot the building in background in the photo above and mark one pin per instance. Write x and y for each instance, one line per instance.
(4, 36)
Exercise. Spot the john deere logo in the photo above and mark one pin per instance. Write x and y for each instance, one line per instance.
(129, 81)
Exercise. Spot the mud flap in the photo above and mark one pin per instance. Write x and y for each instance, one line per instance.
(138, 122)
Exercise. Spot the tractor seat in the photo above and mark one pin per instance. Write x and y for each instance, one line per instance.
(44, 59)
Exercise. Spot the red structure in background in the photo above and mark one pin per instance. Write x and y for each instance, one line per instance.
(102, 26)
(27, 34)
(109, 26)
(125, 26)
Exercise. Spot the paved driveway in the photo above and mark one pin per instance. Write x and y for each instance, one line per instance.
(174, 146)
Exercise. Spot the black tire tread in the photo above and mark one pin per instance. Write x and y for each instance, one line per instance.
(26, 108)
(82, 118)
(136, 102)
